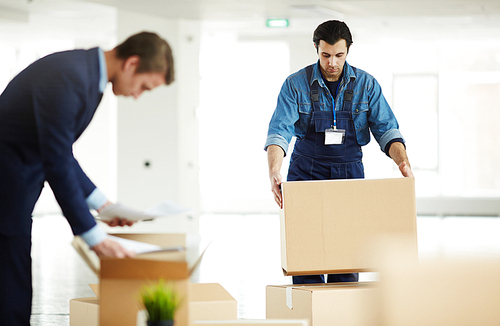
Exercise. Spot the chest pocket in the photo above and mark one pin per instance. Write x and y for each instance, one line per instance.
(360, 115)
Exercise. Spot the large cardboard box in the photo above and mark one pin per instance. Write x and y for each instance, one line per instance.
(353, 304)
(326, 226)
(254, 322)
(84, 312)
(207, 301)
(447, 292)
(122, 279)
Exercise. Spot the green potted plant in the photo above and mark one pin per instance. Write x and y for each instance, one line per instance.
(161, 302)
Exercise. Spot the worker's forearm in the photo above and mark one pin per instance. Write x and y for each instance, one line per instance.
(275, 156)
(397, 152)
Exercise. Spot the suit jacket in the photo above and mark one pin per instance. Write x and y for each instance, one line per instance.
(43, 111)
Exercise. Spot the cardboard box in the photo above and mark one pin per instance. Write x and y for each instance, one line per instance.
(84, 312)
(207, 301)
(353, 304)
(450, 292)
(210, 301)
(254, 322)
(122, 279)
(326, 226)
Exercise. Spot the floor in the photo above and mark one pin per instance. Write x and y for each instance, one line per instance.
(244, 257)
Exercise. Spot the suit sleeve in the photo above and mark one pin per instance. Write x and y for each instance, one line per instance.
(58, 103)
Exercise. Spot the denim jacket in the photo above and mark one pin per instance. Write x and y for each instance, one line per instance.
(370, 110)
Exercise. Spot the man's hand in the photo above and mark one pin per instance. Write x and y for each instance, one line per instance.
(405, 170)
(116, 221)
(110, 248)
(397, 152)
(119, 222)
(276, 189)
(275, 156)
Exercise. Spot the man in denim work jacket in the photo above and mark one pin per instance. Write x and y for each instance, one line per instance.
(330, 107)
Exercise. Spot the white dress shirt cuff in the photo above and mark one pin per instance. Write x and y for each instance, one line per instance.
(96, 199)
(94, 236)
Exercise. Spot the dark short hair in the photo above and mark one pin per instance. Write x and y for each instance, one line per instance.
(154, 53)
(331, 32)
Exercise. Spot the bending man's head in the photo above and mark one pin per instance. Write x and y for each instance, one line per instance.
(155, 54)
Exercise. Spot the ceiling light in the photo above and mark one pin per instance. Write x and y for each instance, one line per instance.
(277, 23)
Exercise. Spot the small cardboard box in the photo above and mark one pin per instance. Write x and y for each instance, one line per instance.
(84, 312)
(122, 279)
(353, 304)
(254, 322)
(446, 292)
(210, 301)
(326, 226)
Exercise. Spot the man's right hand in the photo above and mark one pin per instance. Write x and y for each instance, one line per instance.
(276, 188)
(275, 156)
(110, 248)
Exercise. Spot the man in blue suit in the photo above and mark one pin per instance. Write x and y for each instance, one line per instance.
(43, 111)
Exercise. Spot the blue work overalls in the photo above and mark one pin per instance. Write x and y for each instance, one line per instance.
(313, 160)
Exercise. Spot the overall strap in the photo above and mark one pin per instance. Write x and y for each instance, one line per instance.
(349, 92)
(314, 89)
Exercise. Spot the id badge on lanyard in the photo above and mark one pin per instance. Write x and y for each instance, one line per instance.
(334, 136)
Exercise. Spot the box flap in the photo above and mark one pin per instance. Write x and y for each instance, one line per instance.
(95, 288)
(201, 292)
(135, 268)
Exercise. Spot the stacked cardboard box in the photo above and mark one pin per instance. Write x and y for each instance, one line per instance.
(330, 227)
(352, 304)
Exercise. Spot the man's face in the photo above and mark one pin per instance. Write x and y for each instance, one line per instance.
(135, 84)
(332, 59)
(130, 83)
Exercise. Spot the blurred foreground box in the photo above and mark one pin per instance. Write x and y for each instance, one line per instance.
(444, 292)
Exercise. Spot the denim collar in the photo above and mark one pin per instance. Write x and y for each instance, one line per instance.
(346, 75)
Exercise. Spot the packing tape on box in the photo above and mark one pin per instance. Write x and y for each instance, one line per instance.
(289, 297)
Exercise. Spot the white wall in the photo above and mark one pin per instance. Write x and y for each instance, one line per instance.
(161, 128)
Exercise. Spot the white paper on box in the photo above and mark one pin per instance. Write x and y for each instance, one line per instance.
(289, 302)
(140, 247)
(166, 208)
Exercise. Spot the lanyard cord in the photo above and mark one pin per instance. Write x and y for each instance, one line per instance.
(333, 103)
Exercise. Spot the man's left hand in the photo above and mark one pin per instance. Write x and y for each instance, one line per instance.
(405, 170)
(117, 221)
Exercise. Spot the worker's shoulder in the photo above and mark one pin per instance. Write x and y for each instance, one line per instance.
(362, 75)
(298, 77)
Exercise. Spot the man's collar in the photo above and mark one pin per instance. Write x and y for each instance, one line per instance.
(103, 71)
